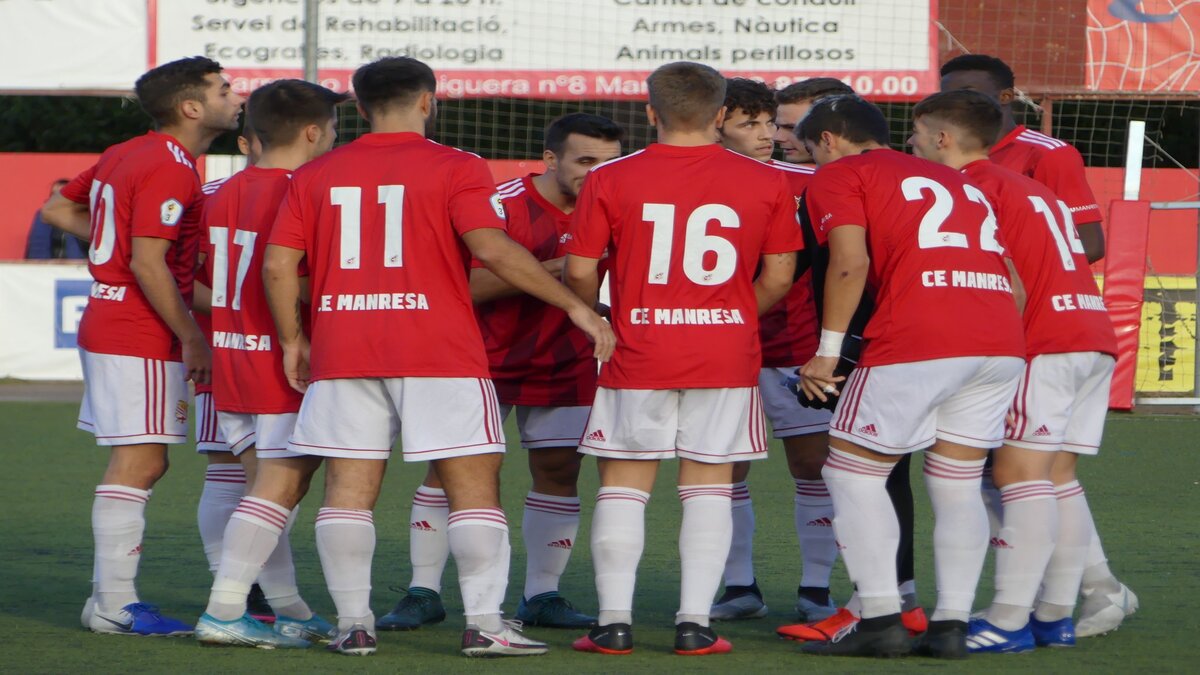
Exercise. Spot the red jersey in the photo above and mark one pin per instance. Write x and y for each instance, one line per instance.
(685, 228)
(380, 221)
(204, 321)
(1052, 163)
(789, 330)
(144, 187)
(247, 361)
(536, 355)
(1063, 311)
(942, 285)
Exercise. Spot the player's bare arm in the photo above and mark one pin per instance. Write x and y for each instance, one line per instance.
(1091, 235)
(149, 265)
(486, 286)
(845, 281)
(582, 276)
(68, 216)
(201, 298)
(283, 288)
(514, 264)
(775, 279)
(1018, 286)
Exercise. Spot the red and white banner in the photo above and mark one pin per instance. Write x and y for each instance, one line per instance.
(584, 49)
(1143, 45)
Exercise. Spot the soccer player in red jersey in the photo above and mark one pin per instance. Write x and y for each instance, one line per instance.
(1106, 601)
(1063, 397)
(138, 341)
(387, 225)
(941, 362)
(542, 365)
(795, 100)
(294, 122)
(788, 334)
(684, 223)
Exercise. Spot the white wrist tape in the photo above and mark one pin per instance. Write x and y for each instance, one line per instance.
(831, 343)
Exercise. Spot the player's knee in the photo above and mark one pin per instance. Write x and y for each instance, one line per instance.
(806, 460)
(555, 472)
(741, 471)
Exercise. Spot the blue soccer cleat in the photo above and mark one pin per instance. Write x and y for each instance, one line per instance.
(1059, 633)
(984, 638)
(315, 629)
(551, 610)
(137, 618)
(245, 631)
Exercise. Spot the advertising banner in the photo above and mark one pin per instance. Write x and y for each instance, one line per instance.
(40, 308)
(1143, 46)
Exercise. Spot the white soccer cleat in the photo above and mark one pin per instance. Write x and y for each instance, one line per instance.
(85, 617)
(1103, 613)
(508, 642)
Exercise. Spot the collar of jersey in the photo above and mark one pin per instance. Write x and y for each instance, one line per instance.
(379, 138)
(1008, 140)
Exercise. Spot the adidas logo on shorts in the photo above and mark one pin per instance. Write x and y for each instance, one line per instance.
(868, 430)
(820, 522)
(997, 542)
(1042, 431)
(561, 543)
(422, 525)
(596, 435)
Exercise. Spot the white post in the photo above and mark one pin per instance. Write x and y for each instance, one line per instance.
(1133, 159)
(310, 40)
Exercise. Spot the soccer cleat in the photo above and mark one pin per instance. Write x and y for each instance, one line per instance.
(819, 631)
(943, 640)
(137, 618)
(551, 610)
(692, 639)
(739, 602)
(420, 607)
(880, 637)
(509, 641)
(245, 631)
(357, 641)
(613, 639)
(814, 604)
(1059, 633)
(258, 607)
(915, 621)
(315, 629)
(985, 638)
(1103, 613)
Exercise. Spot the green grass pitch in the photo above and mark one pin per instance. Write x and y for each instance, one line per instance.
(1144, 489)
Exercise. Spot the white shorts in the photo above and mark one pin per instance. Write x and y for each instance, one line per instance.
(549, 426)
(789, 418)
(129, 400)
(904, 407)
(268, 433)
(208, 432)
(436, 418)
(714, 426)
(1061, 403)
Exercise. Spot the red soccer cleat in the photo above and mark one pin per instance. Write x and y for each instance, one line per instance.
(819, 631)
(614, 639)
(915, 621)
(692, 639)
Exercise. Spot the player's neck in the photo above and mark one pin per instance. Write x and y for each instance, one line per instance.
(1008, 124)
(288, 157)
(687, 138)
(958, 159)
(547, 186)
(398, 122)
(194, 139)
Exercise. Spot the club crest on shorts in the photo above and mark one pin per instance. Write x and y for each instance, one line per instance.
(181, 411)
(170, 212)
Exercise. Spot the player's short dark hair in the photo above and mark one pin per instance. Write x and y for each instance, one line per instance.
(806, 91)
(686, 95)
(750, 96)
(584, 124)
(974, 112)
(160, 90)
(279, 111)
(999, 71)
(392, 80)
(853, 118)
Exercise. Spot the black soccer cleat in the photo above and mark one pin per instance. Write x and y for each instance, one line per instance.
(257, 606)
(615, 639)
(881, 637)
(943, 640)
(692, 639)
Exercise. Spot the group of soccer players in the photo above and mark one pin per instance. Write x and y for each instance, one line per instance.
(326, 301)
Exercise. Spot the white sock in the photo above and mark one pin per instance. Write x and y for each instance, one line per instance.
(251, 535)
(960, 532)
(479, 541)
(704, 536)
(1096, 574)
(224, 485)
(428, 546)
(739, 565)
(618, 538)
(549, 527)
(814, 531)
(118, 522)
(346, 544)
(866, 528)
(278, 578)
(993, 502)
(1023, 548)
(1060, 586)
